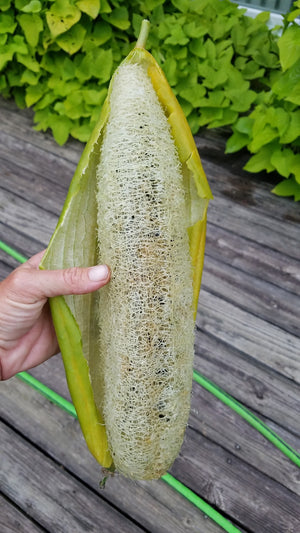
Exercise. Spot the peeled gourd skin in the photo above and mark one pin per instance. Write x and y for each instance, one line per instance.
(128, 349)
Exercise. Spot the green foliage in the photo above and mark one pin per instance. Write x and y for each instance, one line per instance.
(272, 130)
(226, 69)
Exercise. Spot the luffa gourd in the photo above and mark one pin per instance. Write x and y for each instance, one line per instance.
(137, 202)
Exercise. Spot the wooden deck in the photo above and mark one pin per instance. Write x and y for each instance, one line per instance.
(247, 342)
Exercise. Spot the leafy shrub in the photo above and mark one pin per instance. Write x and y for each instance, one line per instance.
(226, 69)
(272, 130)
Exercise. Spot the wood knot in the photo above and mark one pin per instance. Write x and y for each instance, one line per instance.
(258, 387)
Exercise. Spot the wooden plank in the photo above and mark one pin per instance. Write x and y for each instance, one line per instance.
(247, 190)
(262, 299)
(269, 344)
(48, 494)
(266, 392)
(265, 300)
(52, 374)
(239, 490)
(56, 197)
(219, 423)
(5, 269)
(260, 241)
(256, 226)
(223, 213)
(233, 215)
(10, 409)
(12, 519)
(228, 179)
(154, 505)
(19, 124)
(241, 186)
(24, 244)
(33, 158)
(38, 190)
(8, 263)
(253, 258)
(27, 218)
(235, 184)
(33, 187)
(274, 395)
(250, 382)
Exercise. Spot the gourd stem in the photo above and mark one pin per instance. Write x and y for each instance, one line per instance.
(143, 36)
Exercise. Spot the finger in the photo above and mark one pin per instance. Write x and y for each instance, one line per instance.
(36, 259)
(30, 284)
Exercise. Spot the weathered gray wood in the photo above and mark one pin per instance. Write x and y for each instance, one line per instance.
(246, 336)
(19, 124)
(8, 263)
(245, 188)
(13, 520)
(260, 505)
(219, 423)
(5, 270)
(26, 218)
(250, 382)
(211, 417)
(64, 504)
(24, 244)
(251, 335)
(32, 157)
(153, 504)
(260, 298)
(52, 374)
(36, 159)
(255, 259)
(256, 226)
(263, 299)
(252, 189)
(264, 391)
(253, 328)
(32, 186)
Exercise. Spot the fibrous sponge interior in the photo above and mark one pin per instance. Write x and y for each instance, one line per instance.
(142, 377)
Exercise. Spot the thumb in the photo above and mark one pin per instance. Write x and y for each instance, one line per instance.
(73, 280)
(30, 284)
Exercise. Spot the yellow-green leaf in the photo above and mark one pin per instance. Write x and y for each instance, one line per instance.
(288, 187)
(60, 126)
(61, 17)
(34, 6)
(261, 160)
(32, 26)
(118, 18)
(289, 47)
(33, 94)
(7, 22)
(29, 61)
(72, 40)
(283, 161)
(90, 7)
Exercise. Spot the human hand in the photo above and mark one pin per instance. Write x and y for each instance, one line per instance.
(27, 335)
